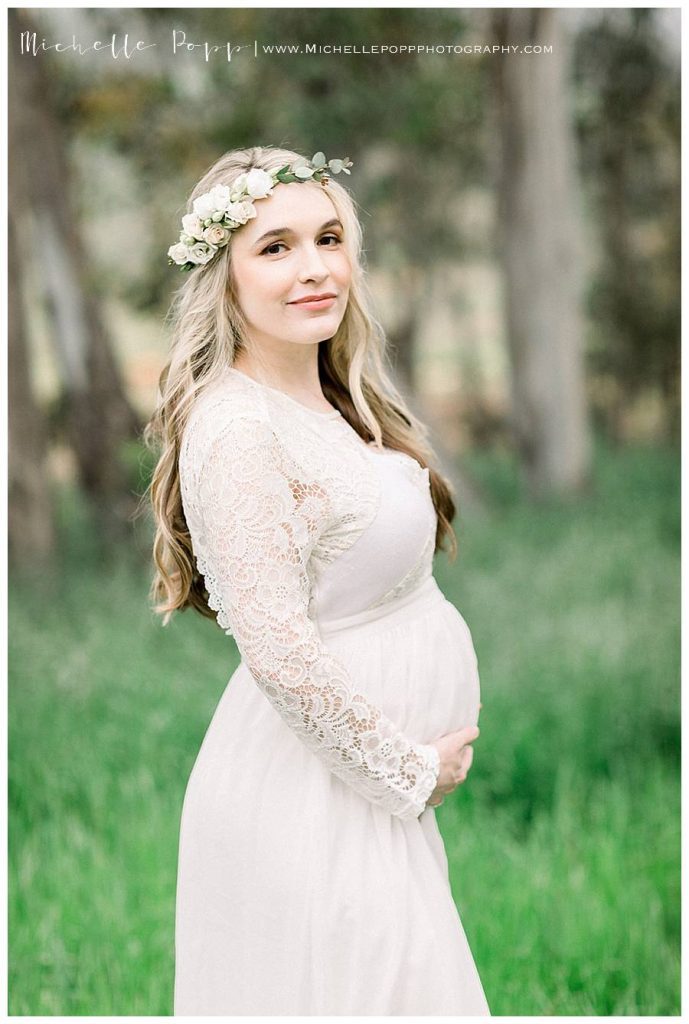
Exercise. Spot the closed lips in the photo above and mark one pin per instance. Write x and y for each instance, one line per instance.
(314, 298)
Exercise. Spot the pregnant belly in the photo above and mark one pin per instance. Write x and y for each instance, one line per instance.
(422, 672)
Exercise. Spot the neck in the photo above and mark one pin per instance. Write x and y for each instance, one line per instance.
(293, 372)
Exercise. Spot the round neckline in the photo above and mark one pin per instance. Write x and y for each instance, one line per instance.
(335, 413)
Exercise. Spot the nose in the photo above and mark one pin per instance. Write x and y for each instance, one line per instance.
(312, 265)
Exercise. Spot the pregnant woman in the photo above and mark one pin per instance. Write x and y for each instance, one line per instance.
(295, 504)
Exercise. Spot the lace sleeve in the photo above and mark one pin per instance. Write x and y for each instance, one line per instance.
(260, 518)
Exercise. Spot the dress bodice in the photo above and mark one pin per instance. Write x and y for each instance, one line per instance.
(379, 522)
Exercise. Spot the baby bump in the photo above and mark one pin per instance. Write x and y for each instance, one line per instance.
(422, 672)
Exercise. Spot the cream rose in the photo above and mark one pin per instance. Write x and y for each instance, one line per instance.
(216, 235)
(202, 252)
(240, 213)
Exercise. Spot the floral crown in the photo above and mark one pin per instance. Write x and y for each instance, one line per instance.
(225, 208)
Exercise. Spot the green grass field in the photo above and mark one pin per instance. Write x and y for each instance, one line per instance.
(564, 843)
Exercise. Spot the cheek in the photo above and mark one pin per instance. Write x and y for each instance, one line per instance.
(255, 288)
(342, 268)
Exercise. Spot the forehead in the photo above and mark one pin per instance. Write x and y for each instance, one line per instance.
(302, 206)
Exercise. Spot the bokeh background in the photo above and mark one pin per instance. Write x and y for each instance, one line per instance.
(521, 212)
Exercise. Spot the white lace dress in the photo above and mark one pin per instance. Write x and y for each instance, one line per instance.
(311, 878)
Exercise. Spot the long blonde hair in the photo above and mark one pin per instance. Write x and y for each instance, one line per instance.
(208, 330)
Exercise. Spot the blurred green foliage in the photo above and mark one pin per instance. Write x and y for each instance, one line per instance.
(628, 119)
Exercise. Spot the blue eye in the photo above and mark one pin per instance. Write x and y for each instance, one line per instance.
(274, 244)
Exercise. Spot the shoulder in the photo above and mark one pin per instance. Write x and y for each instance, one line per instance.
(233, 422)
(223, 409)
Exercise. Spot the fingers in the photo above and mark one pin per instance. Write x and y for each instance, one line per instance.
(466, 758)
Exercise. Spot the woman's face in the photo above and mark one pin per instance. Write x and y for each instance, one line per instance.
(304, 255)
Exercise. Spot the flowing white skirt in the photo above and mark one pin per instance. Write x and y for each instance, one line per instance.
(295, 895)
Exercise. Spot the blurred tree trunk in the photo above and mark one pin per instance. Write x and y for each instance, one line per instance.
(98, 415)
(540, 248)
(413, 285)
(31, 528)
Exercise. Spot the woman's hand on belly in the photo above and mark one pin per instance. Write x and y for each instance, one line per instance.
(456, 755)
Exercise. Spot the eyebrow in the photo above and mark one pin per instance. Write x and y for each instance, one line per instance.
(288, 231)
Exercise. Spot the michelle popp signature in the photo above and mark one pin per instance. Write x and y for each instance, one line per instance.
(123, 47)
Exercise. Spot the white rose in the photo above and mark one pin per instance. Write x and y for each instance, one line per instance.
(216, 235)
(238, 185)
(240, 213)
(192, 226)
(211, 202)
(221, 196)
(202, 252)
(204, 206)
(179, 253)
(259, 184)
